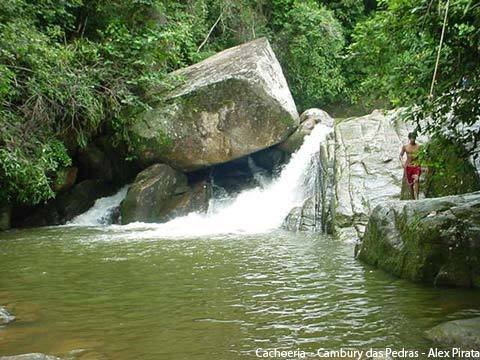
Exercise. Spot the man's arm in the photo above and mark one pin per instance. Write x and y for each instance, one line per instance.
(402, 152)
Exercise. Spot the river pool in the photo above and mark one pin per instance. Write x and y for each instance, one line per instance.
(116, 293)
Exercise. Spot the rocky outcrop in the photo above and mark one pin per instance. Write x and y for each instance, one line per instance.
(367, 169)
(160, 193)
(308, 120)
(5, 316)
(436, 241)
(227, 106)
(463, 333)
(5, 217)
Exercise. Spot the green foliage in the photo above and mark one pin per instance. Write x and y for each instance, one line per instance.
(26, 177)
(310, 46)
(393, 53)
(450, 171)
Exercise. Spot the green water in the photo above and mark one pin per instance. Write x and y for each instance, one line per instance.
(107, 294)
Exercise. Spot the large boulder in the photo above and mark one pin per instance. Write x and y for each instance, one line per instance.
(160, 193)
(227, 106)
(308, 120)
(436, 241)
(367, 169)
(463, 333)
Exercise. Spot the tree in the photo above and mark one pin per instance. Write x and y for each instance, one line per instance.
(309, 47)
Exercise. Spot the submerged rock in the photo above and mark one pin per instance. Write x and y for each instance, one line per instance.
(160, 193)
(31, 356)
(436, 241)
(308, 120)
(227, 106)
(5, 316)
(463, 333)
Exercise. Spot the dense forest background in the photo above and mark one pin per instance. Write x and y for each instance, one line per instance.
(70, 69)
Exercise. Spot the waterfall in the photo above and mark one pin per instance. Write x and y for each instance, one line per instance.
(102, 211)
(256, 210)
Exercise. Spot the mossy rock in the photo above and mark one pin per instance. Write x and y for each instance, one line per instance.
(435, 241)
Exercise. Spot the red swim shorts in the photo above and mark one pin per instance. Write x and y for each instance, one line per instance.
(411, 170)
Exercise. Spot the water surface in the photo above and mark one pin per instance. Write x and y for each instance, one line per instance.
(114, 293)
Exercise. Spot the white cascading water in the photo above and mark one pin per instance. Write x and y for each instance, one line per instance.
(100, 212)
(256, 210)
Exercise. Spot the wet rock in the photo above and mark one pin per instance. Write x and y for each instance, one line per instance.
(463, 333)
(316, 213)
(32, 356)
(5, 217)
(303, 218)
(227, 106)
(160, 193)
(308, 120)
(5, 316)
(65, 179)
(435, 241)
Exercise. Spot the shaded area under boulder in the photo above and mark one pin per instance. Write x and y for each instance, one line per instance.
(65, 206)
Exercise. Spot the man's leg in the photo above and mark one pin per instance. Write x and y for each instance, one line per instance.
(412, 191)
(416, 186)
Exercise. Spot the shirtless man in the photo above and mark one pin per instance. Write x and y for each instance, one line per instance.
(411, 165)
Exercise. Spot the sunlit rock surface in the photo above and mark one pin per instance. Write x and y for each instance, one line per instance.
(367, 169)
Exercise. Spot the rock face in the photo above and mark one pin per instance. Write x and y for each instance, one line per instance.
(308, 120)
(459, 333)
(227, 106)
(5, 316)
(367, 169)
(436, 241)
(160, 193)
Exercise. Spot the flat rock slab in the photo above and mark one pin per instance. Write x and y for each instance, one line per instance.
(462, 333)
(230, 105)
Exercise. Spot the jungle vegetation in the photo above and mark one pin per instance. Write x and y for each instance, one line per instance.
(71, 69)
